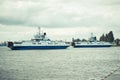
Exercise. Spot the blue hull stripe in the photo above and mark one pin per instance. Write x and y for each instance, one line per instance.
(90, 46)
(37, 47)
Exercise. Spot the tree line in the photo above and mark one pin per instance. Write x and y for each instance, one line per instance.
(109, 37)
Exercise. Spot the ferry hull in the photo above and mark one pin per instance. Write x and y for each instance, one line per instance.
(37, 47)
(91, 46)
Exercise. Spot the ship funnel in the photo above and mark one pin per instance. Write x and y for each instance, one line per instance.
(45, 34)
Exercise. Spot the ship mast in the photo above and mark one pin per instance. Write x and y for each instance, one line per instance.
(39, 30)
(91, 34)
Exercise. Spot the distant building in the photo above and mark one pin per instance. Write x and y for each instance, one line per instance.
(117, 41)
(3, 43)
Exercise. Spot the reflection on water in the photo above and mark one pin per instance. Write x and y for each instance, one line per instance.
(68, 64)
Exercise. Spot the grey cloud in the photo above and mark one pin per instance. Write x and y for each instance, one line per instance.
(8, 21)
(64, 13)
(110, 2)
(12, 14)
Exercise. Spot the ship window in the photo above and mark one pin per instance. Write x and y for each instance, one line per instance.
(34, 43)
(18, 42)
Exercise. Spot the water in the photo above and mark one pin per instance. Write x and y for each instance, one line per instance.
(68, 64)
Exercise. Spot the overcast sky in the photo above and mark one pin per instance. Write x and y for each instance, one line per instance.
(61, 19)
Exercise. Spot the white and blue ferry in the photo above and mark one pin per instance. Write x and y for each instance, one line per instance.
(40, 41)
(91, 43)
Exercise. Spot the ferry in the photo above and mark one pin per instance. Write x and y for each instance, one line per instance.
(91, 43)
(40, 41)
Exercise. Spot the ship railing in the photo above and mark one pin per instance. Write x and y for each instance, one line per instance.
(17, 42)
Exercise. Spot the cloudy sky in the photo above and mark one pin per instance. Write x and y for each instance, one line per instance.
(61, 19)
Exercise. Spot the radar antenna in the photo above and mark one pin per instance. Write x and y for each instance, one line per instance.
(39, 30)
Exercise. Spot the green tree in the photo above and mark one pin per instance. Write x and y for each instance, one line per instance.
(102, 38)
(110, 36)
(106, 38)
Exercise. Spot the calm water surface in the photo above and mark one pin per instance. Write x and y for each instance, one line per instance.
(68, 64)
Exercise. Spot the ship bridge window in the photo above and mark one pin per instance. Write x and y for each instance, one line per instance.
(33, 40)
(37, 39)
